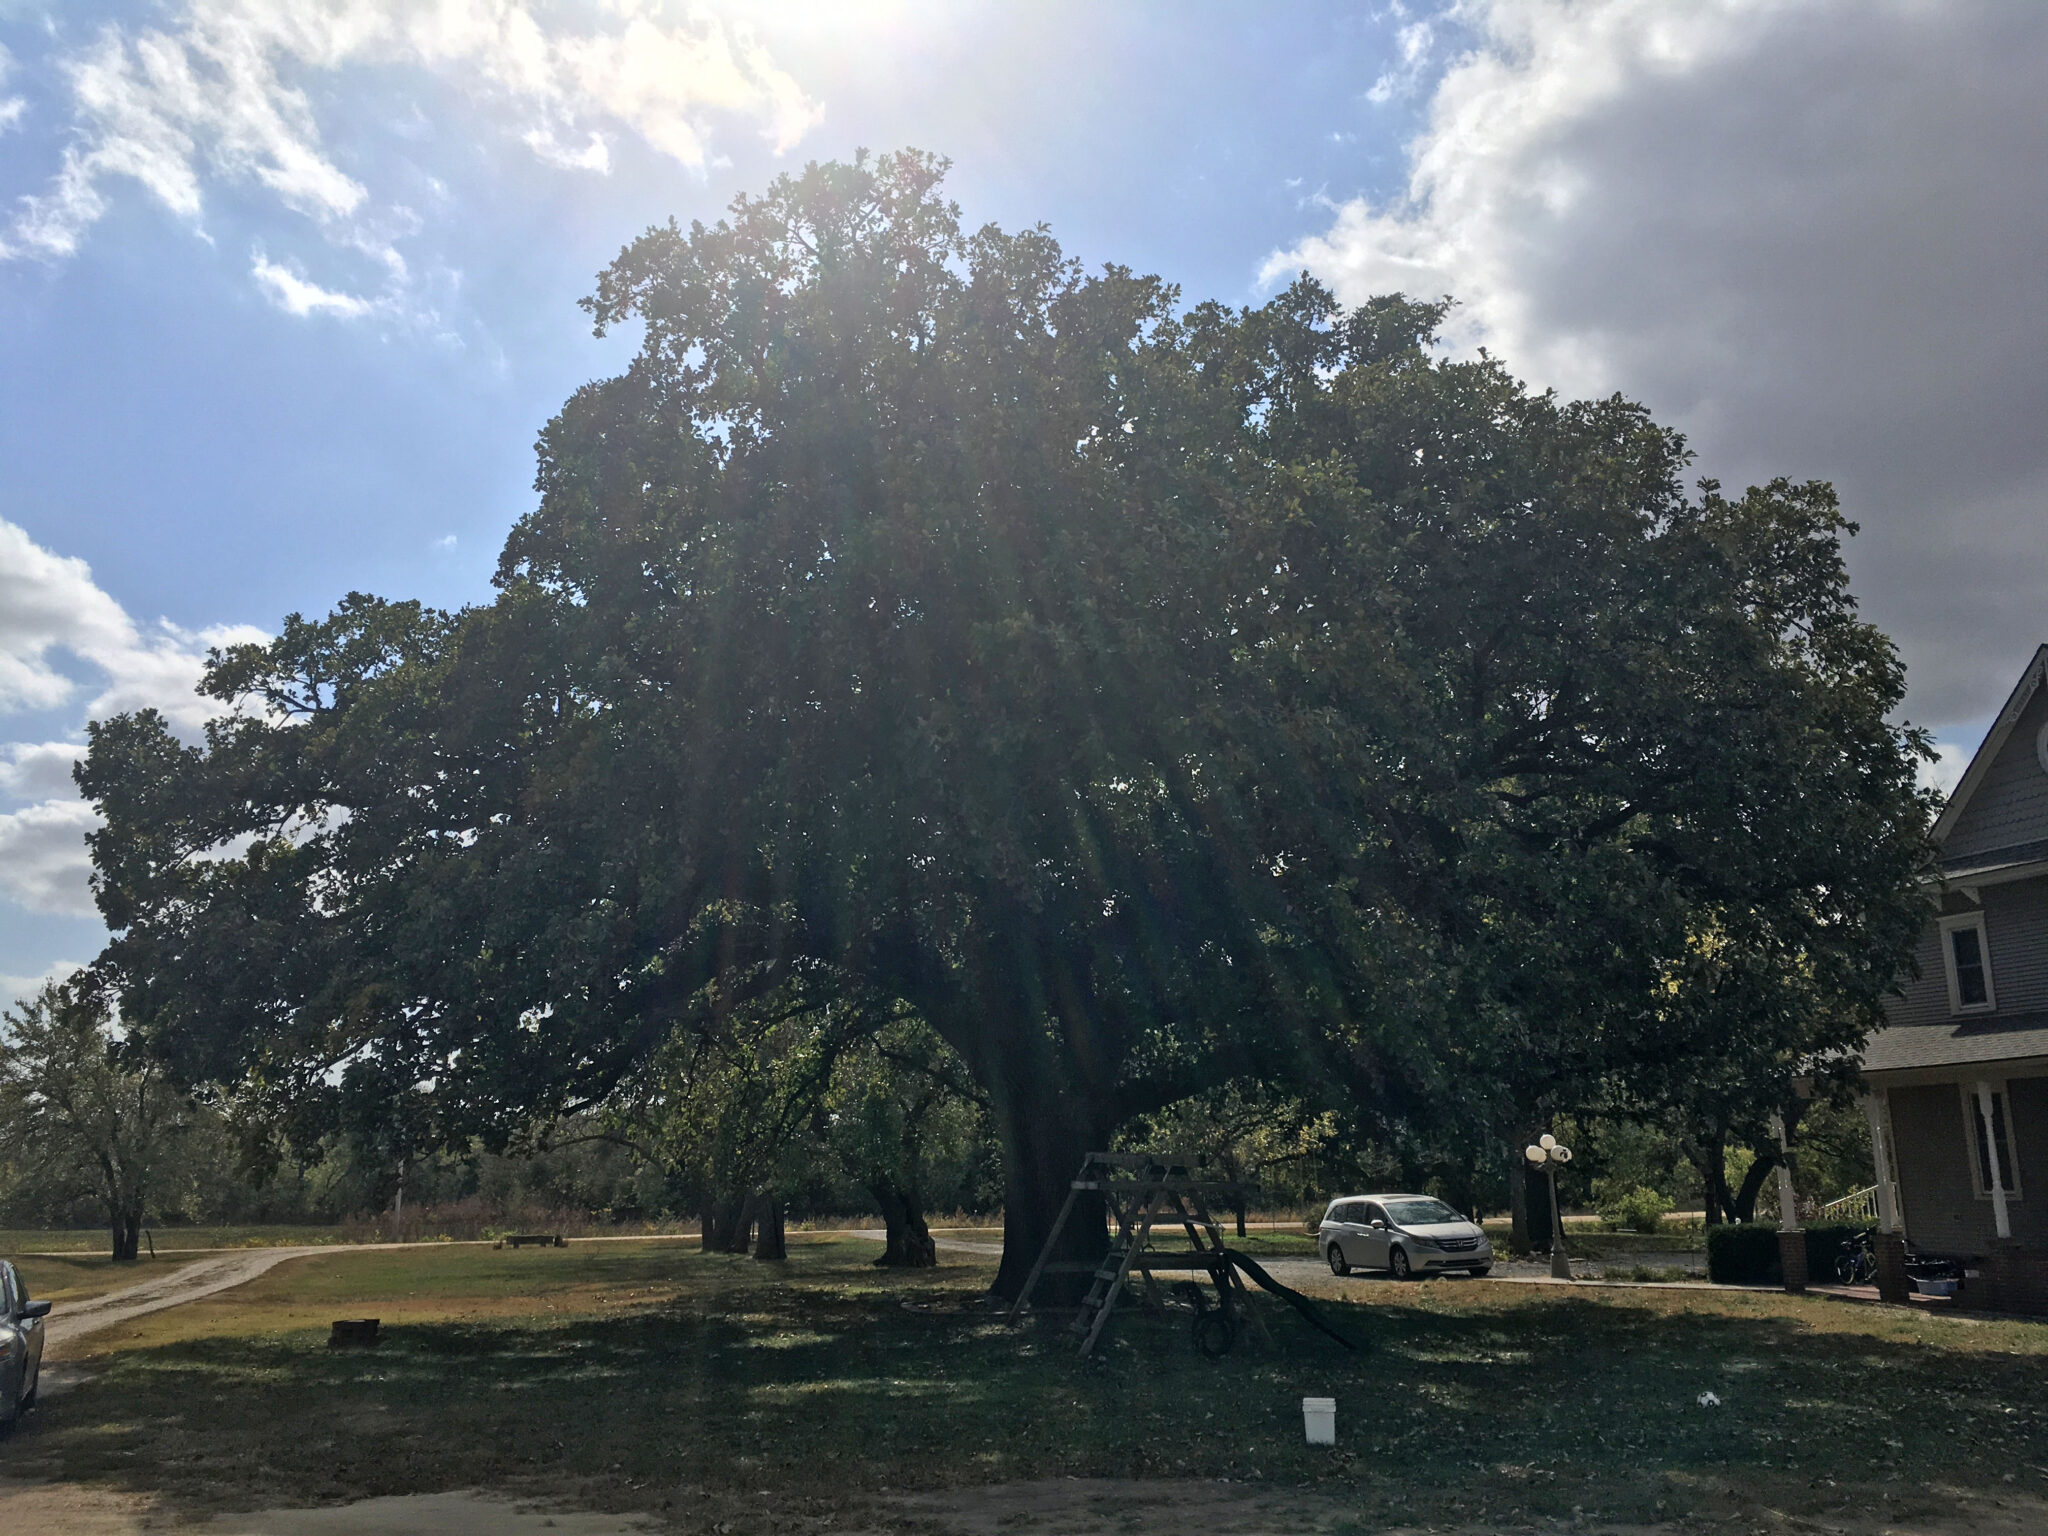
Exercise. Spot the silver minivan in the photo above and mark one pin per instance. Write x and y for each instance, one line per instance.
(21, 1345)
(1403, 1234)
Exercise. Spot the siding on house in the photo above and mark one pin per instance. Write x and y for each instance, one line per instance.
(1934, 1144)
(1934, 1174)
(2015, 933)
(2011, 803)
(1923, 999)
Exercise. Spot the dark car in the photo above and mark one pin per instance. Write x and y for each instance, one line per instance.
(21, 1345)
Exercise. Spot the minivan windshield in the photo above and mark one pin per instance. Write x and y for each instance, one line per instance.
(1420, 1213)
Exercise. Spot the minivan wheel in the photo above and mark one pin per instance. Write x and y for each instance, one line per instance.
(1339, 1265)
(1397, 1263)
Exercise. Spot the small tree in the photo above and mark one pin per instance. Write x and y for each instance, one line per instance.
(73, 1112)
(905, 1119)
(1250, 1134)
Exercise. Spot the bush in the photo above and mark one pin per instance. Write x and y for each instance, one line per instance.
(1748, 1254)
(1634, 1210)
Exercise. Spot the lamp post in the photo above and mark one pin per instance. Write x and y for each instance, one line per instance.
(1547, 1154)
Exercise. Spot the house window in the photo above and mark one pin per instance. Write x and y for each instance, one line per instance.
(1980, 1148)
(1968, 961)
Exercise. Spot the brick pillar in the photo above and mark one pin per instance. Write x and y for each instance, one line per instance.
(1792, 1260)
(1892, 1284)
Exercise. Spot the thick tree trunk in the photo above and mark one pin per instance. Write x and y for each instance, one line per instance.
(1528, 1206)
(1045, 1136)
(1741, 1203)
(906, 1240)
(127, 1232)
(727, 1225)
(773, 1243)
(740, 1237)
(1051, 1088)
(1712, 1162)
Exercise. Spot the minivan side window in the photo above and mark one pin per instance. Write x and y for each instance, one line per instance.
(8, 1301)
(1373, 1213)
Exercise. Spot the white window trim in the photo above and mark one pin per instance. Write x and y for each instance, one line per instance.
(2009, 1165)
(1948, 963)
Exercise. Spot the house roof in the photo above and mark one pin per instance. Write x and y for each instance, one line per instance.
(1957, 1042)
(1994, 860)
(1994, 742)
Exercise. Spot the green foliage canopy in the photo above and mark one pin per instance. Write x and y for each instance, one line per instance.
(1144, 697)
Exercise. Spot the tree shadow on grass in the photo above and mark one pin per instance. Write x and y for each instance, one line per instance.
(828, 1382)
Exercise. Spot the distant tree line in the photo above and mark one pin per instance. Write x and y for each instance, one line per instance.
(943, 693)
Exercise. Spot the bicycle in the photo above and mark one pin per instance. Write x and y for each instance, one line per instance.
(1857, 1264)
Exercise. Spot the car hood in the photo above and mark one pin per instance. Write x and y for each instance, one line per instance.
(1445, 1229)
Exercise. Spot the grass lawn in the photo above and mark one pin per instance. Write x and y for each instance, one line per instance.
(78, 1276)
(1259, 1244)
(15, 1241)
(651, 1377)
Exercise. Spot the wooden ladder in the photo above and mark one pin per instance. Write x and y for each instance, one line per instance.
(1139, 1189)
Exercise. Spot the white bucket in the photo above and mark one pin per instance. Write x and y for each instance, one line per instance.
(1319, 1418)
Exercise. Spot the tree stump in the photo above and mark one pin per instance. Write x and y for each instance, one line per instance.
(353, 1333)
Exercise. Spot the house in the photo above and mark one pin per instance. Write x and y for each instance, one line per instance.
(1958, 1077)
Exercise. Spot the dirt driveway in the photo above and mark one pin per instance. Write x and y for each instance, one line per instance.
(170, 1288)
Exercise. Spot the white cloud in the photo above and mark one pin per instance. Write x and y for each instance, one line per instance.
(296, 295)
(15, 990)
(50, 609)
(38, 770)
(221, 92)
(51, 606)
(12, 108)
(43, 862)
(1805, 233)
(596, 156)
(1951, 759)
(1416, 40)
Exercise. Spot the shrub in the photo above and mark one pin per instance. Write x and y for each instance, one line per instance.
(1634, 1210)
(1748, 1254)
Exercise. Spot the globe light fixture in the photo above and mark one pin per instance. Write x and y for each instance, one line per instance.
(1548, 1154)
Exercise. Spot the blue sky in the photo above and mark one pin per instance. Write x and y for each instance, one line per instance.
(286, 289)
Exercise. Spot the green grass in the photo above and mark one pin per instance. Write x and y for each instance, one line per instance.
(1644, 1272)
(15, 1241)
(637, 1376)
(76, 1276)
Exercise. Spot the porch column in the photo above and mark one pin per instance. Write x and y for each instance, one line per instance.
(1892, 1284)
(1988, 1121)
(1881, 1162)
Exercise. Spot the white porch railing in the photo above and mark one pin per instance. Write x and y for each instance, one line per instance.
(1860, 1206)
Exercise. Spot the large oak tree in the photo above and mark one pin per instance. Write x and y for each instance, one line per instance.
(1142, 697)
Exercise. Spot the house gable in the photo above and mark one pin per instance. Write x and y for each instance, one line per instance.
(2002, 802)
